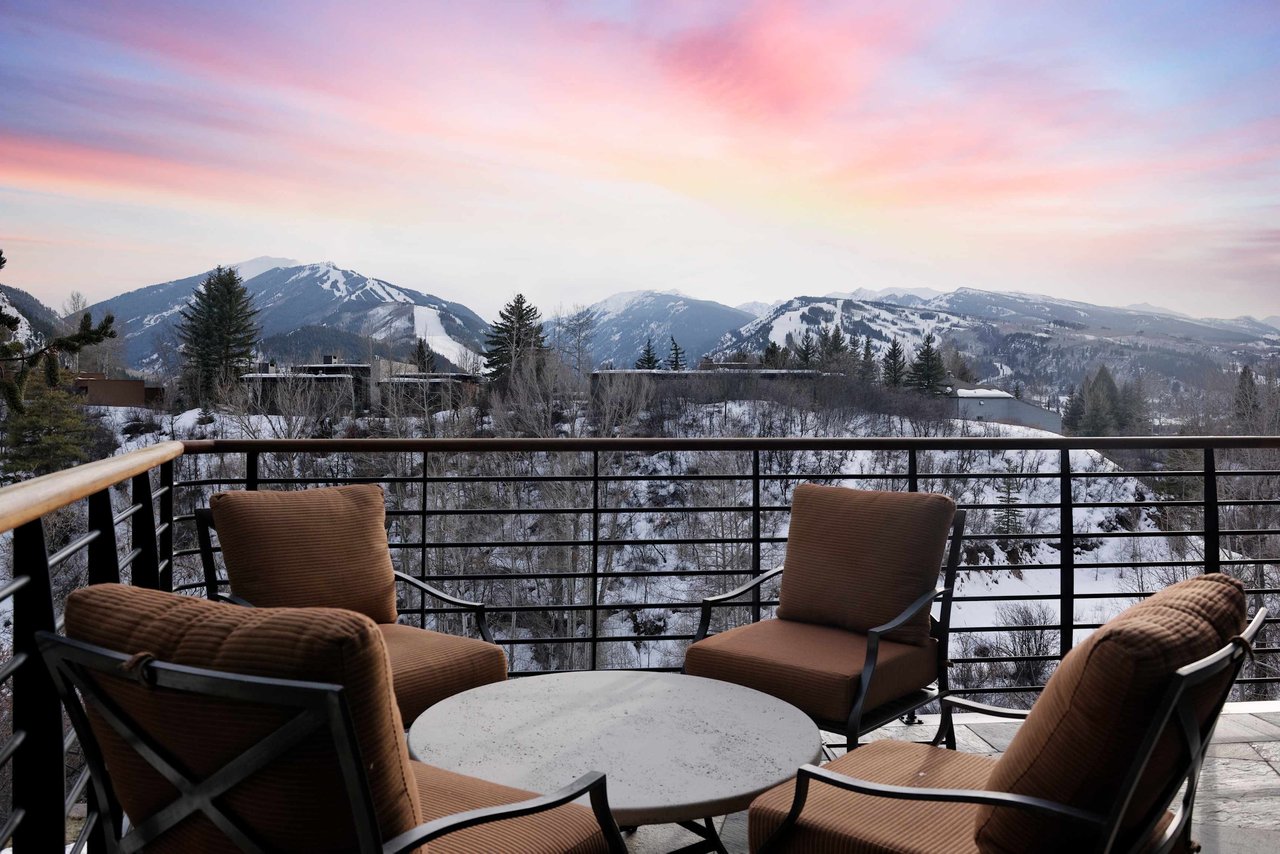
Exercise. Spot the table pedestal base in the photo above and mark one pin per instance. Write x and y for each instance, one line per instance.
(710, 838)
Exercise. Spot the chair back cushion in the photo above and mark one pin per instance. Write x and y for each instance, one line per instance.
(857, 558)
(1083, 734)
(296, 803)
(317, 548)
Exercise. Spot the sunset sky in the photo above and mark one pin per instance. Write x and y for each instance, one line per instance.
(1113, 152)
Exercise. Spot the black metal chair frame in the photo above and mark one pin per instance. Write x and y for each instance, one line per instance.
(212, 583)
(77, 668)
(1176, 709)
(860, 720)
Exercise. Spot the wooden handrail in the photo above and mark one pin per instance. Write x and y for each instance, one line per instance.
(27, 501)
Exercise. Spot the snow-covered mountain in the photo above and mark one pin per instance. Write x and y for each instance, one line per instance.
(879, 321)
(624, 321)
(36, 321)
(759, 309)
(897, 296)
(308, 295)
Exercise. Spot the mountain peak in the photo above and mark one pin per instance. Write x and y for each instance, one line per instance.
(261, 264)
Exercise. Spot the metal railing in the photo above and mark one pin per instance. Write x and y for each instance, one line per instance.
(574, 541)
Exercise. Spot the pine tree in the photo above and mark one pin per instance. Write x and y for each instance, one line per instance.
(832, 345)
(48, 434)
(807, 350)
(1009, 514)
(1248, 403)
(927, 373)
(517, 335)
(893, 368)
(676, 360)
(648, 360)
(217, 331)
(775, 356)
(1073, 413)
(867, 371)
(424, 357)
(17, 361)
(1101, 405)
(1134, 419)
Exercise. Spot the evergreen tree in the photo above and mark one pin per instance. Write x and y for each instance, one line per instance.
(517, 335)
(424, 357)
(832, 344)
(1134, 419)
(17, 361)
(775, 356)
(648, 360)
(893, 367)
(807, 350)
(217, 331)
(1073, 413)
(48, 434)
(927, 373)
(1100, 405)
(676, 360)
(956, 364)
(1008, 515)
(1248, 403)
(867, 371)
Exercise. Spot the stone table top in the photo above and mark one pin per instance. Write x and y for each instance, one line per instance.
(672, 747)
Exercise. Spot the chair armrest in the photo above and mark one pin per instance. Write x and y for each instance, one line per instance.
(476, 608)
(704, 623)
(984, 708)
(592, 784)
(809, 773)
(909, 612)
(233, 599)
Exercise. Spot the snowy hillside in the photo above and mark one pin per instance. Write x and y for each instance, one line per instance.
(882, 322)
(24, 332)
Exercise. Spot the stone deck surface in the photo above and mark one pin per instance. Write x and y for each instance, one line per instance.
(1237, 808)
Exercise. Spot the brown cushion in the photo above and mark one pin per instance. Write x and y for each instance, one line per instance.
(570, 829)
(428, 666)
(857, 558)
(318, 548)
(297, 803)
(838, 821)
(815, 668)
(1080, 739)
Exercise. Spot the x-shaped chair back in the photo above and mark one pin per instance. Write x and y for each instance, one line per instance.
(82, 670)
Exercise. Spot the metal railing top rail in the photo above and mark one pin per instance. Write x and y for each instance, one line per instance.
(744, 443)
(30, 500)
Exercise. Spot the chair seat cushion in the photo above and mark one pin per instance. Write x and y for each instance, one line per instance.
(815, 668)
(838, 822)
(427, 666)
(570, 829)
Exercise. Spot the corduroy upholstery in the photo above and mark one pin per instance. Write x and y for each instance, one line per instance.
(815, 668)
(327, 547)
(857, 558)
(297, 803)
(1079, 739)
(315, 548)
(300, 805)
(839, 822)
(427, 666)
(567, 830)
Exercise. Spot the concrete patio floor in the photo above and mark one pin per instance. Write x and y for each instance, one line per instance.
(1237, 808)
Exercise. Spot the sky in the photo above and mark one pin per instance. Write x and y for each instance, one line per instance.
(1112, 152)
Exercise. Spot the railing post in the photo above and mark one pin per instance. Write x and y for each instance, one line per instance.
(165, 531)
(38, 788)
(145, 571)
(422, 548)
(595, 556)
(251, 470)
(104, 560)
(1067, 554)
(913, 471)
(1212, 543)
(755, 533)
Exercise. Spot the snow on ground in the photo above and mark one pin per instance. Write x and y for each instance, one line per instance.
(427, 325)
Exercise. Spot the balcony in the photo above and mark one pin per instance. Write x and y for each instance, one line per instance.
(594, 554)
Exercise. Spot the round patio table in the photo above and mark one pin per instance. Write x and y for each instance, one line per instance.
(674, 748)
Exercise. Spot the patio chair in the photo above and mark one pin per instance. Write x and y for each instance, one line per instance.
(208, 727)
(854, 644)
(327, 548)
(1121, 726)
